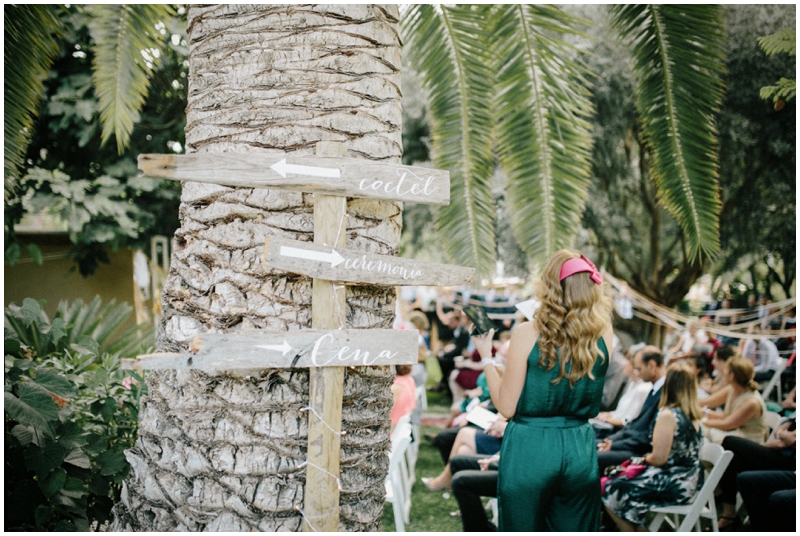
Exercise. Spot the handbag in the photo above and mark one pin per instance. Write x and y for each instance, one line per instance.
(628, 469)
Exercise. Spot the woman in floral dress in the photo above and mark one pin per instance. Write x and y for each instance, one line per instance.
(673, 471)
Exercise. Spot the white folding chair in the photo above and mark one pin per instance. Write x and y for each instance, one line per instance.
(775, 382)
(702, 505)
(397, 490)
(422, 397)
(495, 516)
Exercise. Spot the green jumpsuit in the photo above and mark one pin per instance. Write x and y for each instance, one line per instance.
(548, 478)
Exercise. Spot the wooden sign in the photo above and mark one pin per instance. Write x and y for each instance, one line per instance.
(335, 264)
(342, 176)
(257, 349)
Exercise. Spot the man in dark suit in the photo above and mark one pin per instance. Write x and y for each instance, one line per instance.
(634, 438)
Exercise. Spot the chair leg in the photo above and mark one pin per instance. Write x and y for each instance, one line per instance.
(657, 521)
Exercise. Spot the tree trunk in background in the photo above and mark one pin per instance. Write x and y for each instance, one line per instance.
(219, 452)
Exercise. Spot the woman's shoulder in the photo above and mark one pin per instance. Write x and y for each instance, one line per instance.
(525, 331)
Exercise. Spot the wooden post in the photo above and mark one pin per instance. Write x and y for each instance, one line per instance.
(328, 310)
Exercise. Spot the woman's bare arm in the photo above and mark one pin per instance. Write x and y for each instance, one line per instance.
(749, 410)
(506, 389)
(663, 434)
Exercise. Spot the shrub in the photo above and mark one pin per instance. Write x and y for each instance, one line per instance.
(70, 412)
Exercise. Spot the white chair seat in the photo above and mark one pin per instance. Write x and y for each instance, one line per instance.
(702, 504)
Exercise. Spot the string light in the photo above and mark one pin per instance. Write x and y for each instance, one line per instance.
(303, 514)
(317, 467)
(328, 426)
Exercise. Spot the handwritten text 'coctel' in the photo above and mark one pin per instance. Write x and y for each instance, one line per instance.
(416, 185)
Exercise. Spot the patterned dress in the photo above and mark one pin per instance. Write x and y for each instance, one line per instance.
(673, 483)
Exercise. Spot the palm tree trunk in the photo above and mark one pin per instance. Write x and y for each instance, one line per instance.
(219, 452)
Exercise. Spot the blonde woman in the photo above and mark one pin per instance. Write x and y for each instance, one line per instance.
(744, 409)
(552, 385)
(673, 467)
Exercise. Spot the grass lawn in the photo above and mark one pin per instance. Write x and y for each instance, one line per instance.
(430, 512)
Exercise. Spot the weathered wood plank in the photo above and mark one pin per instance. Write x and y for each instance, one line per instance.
(336, 264)
(259, 349)
(341, 176)
(326, 385)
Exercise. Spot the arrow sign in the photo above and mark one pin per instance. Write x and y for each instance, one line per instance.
(285, 347)
(318, 348)
(320, 256)
(282, 169)
(336, 264)
(330, 175)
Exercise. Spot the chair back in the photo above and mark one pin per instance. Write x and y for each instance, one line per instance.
(396, 479)
(719, 459)
(775, 382)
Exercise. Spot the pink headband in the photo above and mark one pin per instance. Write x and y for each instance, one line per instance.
(578, 265)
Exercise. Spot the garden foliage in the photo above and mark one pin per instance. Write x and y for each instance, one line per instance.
(70, 412)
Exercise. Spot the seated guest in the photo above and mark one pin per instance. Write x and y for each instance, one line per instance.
(615, 381)
(474, 477)
(743, 413)
(465, 376)
(777, 454)
(673, 467)
(404, 393)
(770, 498)
(719, 358)
(634, 439)
(763, 353)
(458, 323)
(697, 364)
(633, 397)
(469, 441)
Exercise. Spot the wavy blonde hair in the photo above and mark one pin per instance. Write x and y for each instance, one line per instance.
(573, 315)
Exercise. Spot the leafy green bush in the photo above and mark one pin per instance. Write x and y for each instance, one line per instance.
(70, 412)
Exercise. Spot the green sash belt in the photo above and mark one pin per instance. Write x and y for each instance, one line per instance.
(550, 422)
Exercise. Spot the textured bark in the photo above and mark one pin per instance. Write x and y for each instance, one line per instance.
(219, 452)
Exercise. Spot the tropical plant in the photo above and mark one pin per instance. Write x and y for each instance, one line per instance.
(533, 111)
(70, 175)
(782, 41)
(70, 412)
(758, 158)
(126, 40)
(92, 326)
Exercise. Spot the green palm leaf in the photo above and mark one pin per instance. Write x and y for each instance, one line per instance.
(122, 33)
(543, 136)
(678, 52)
(31, 43)
(442, 45)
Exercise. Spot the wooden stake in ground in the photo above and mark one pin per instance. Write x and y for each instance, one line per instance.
(328, 310)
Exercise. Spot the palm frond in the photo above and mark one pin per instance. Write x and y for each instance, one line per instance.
(784, 40)
(678, 52)
(103, 324)
(543, 135)
(31, 43)
(441, 42)
(125, 38)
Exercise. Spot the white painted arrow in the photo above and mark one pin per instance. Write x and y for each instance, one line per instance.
(285, 347)
(333, 257)
(282, 168)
